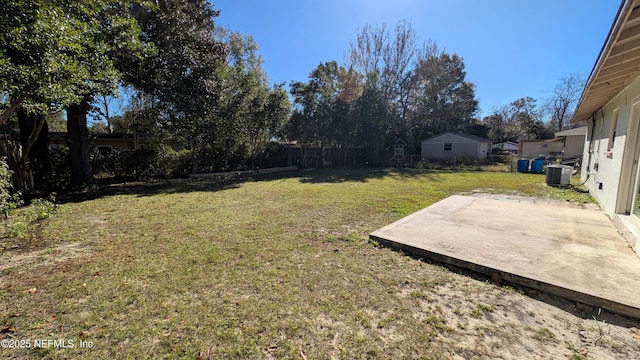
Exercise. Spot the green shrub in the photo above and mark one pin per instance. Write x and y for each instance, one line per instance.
(43, 208)
(169, 163)
(8, 198)
(59, 156)
(21, 223)
(141, 164)
(422, 164)
(182, 164)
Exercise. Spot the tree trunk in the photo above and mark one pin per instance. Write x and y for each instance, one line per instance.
(6, 113)
(303, 155)
(252, 151)
(344, 160)
(105, 103)
(78, 141)
(376, 153)
(34, 135)
(13, 106)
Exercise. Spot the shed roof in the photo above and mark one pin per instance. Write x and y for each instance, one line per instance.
(618, 63)
(581, 131)
(541, 140)
(468, 136)
(508, 143)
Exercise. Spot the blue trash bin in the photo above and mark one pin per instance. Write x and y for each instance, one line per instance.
(523, 165)
(537, 166)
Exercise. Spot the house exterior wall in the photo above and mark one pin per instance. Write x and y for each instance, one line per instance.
(604, 165)
(534, 149)
(610, 103)
(460, 147)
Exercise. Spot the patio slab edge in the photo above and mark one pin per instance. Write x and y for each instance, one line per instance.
(547, 247)
(567, 293)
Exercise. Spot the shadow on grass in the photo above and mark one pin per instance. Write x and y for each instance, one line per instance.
(150, 188)
(339, 175)
(314, 176)
(579, 189)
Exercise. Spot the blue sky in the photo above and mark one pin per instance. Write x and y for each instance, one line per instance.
(511, 48)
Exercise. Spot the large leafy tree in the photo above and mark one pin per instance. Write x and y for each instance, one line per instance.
(270, 112)
(519, 120)
(496, 125)
(182, 74)
(371, 114)
(53, 54)
(248, 112)
(314, 106)
(322, 114)
(442, 98)
(179, 84)
(242, 51)
(40, 48)
(423, 89)
(241, 99)
(113, 33)
(387, 57)
(345, 129)
(178, 80)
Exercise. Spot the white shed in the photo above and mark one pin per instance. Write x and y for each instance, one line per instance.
(449, 145)
(531, 149)
(574, 140)
(507, 146)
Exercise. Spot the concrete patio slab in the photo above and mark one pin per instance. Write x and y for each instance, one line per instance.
(551, 246)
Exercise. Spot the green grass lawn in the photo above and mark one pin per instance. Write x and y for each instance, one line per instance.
(268, 267)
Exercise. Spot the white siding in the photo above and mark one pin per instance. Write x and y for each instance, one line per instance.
(460, 147)
(534, 149)
(574, 145)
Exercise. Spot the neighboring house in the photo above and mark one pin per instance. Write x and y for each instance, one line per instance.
(507, 146)
(574, 140)
(449, 145)
(567, 144)
(532, 149)
(610, 104)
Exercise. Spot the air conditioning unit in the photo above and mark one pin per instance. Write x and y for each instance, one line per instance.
(559, 175)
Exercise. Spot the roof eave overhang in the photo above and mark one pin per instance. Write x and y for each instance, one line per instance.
(618, 63)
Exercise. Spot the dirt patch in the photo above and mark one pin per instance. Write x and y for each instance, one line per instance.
(506, 323)
(51, 255)
(516, 197)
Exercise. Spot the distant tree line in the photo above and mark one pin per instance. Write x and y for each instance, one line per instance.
(525, 119)
(176, 75)
(388, 89)
(391, 88)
